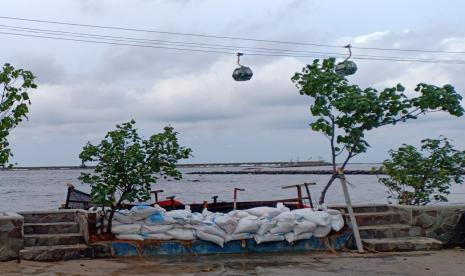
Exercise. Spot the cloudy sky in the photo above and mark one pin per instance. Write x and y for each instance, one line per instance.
(87, 88)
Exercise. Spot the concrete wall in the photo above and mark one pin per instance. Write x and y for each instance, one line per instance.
(11, 235)
(443, 222)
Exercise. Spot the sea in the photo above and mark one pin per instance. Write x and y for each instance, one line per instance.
(29, 190)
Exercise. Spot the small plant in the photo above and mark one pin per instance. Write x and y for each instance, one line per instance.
(127, 166)
(14, 104)
(345, 113)
(417, 176)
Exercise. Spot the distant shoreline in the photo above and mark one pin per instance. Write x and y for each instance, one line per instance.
(197, 165)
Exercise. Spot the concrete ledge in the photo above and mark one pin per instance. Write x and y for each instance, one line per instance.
(153, 248)
(11, 235)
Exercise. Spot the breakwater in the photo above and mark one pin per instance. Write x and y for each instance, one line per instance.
(271, 172)
(287, 164)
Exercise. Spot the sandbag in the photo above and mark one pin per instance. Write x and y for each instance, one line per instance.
(337, 221)
(211, 228)
(304, 226)
(268, 238)
(181, 234)
(133, 228)
(282, 227)
(132, 237)
(265, 225)
(141, 212)
(180, 216)
(285, 216)
(238, 214)
(159, 218)
(319, 217)
(322, 231)
(241, 236)
(123, 216)
(158, 236)
(196, 218)
(152, 229)
(292, 237)
(248, 224)
(206, 213)
(209, 237)
(282, 208)
(264, 212)
(226, 222)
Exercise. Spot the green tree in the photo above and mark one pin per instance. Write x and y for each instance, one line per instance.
(344, 112)
(417, 176)
(14, 104)
(127, 165)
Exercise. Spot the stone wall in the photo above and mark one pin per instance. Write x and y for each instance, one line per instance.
(443, 222)
(11, 235)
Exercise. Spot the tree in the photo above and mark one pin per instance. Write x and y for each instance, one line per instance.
(415, 177)
(127, 165)
(13, 104)
(344, 113)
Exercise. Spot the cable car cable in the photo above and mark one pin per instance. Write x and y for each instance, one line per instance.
(226, 52)
(269, 51)
(224, 37)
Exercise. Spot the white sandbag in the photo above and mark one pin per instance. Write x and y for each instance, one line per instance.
(322, 231)
(132, 237)
(281, 207)
(123, 216)
(238, 214)
(182, 234)
(337, 221)
(152, 229)
(264, 212)
(248, 224)
(241, 236)
(292, 237)
(196, 218)
(205, 212)
(141, 212)
(265, 225)
(319, 217)
(285, 216)
(282, 227)
(158, 236)
(180, 216)
(209, 237)
(268, 238)
(159, 218)
(211, 228)
(304, 226)
(185, 226)
(225, 222)
(133, 228)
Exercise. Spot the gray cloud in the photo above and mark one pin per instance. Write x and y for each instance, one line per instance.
(85, 89)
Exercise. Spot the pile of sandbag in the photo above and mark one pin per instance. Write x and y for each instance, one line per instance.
(264, 224)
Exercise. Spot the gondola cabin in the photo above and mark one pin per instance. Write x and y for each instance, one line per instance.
(242, 73)
(346, 68)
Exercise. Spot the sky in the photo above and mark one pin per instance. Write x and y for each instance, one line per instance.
(85, 89)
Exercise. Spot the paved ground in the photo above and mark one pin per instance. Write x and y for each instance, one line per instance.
(445, 262)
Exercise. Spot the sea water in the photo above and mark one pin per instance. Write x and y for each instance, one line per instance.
(46, 189)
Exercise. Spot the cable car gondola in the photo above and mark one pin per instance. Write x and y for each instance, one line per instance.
(347, 67)
(242, 73)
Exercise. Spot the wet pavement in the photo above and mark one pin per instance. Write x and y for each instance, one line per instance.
(446, 262)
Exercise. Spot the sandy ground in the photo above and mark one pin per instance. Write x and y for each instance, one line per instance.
(446, 262)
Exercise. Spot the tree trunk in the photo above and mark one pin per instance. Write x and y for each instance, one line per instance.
(110, 220)
(325, 189)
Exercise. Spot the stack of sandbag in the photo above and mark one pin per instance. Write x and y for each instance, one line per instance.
(172, 225)
(270, 228)
(127, 224)
(264, 224)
